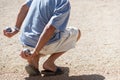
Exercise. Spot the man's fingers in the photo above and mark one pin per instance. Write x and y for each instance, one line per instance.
(4, 32)
(8, 34)
(22, 55)
(25, 55)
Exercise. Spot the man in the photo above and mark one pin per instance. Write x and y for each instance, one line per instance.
(43, 31)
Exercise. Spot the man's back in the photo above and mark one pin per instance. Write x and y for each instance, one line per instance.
(41, 13)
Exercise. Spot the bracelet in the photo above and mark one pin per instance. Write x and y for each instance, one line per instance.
(16, 28)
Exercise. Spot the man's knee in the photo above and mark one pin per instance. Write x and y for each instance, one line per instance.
(79, 34)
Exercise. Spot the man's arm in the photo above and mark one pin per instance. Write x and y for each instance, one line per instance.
(20, 18)
(44, 38)
(21, 15)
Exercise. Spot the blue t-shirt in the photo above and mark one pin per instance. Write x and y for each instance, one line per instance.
(41, 13)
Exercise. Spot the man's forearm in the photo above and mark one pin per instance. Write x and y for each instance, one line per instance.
(44, 38)
(21, 15)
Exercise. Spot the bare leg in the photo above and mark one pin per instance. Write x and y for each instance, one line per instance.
(33, 68)
(34, 61)
(49, 63)
(79, 35)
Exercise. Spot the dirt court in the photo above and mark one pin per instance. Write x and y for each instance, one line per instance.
(96, 56)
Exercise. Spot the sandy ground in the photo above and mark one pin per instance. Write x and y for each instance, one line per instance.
(96, 56)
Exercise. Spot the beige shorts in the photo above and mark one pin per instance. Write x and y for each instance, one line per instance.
(67, 42)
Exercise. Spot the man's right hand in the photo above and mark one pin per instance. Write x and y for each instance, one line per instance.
(10, 34)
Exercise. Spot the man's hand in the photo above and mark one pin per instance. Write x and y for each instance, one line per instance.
(25, 55)
(9, 34)
(28, 56)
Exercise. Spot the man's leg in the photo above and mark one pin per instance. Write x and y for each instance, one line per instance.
(31, 61)
(34, 61)
(33, 66)
(49, 63)
(79, 34)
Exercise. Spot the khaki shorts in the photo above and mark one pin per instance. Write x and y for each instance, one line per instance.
(67, 42)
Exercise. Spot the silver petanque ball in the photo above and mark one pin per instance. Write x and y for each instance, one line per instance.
(8, 29)
(27, 51)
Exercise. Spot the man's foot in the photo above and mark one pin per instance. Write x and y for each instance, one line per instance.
(52, 73)
(49, 66)
(33, 66)
(31, 70)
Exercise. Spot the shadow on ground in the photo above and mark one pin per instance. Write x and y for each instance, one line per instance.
(66, 76)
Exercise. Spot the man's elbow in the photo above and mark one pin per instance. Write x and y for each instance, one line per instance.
(24, 8)
(50, 30)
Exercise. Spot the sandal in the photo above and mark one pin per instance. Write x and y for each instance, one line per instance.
(52, 73)
(31, 70)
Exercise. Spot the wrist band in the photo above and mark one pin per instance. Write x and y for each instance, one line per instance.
(16, 28)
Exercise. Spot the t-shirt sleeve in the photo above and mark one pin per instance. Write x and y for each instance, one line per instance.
(28, 2)
(60, 17)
